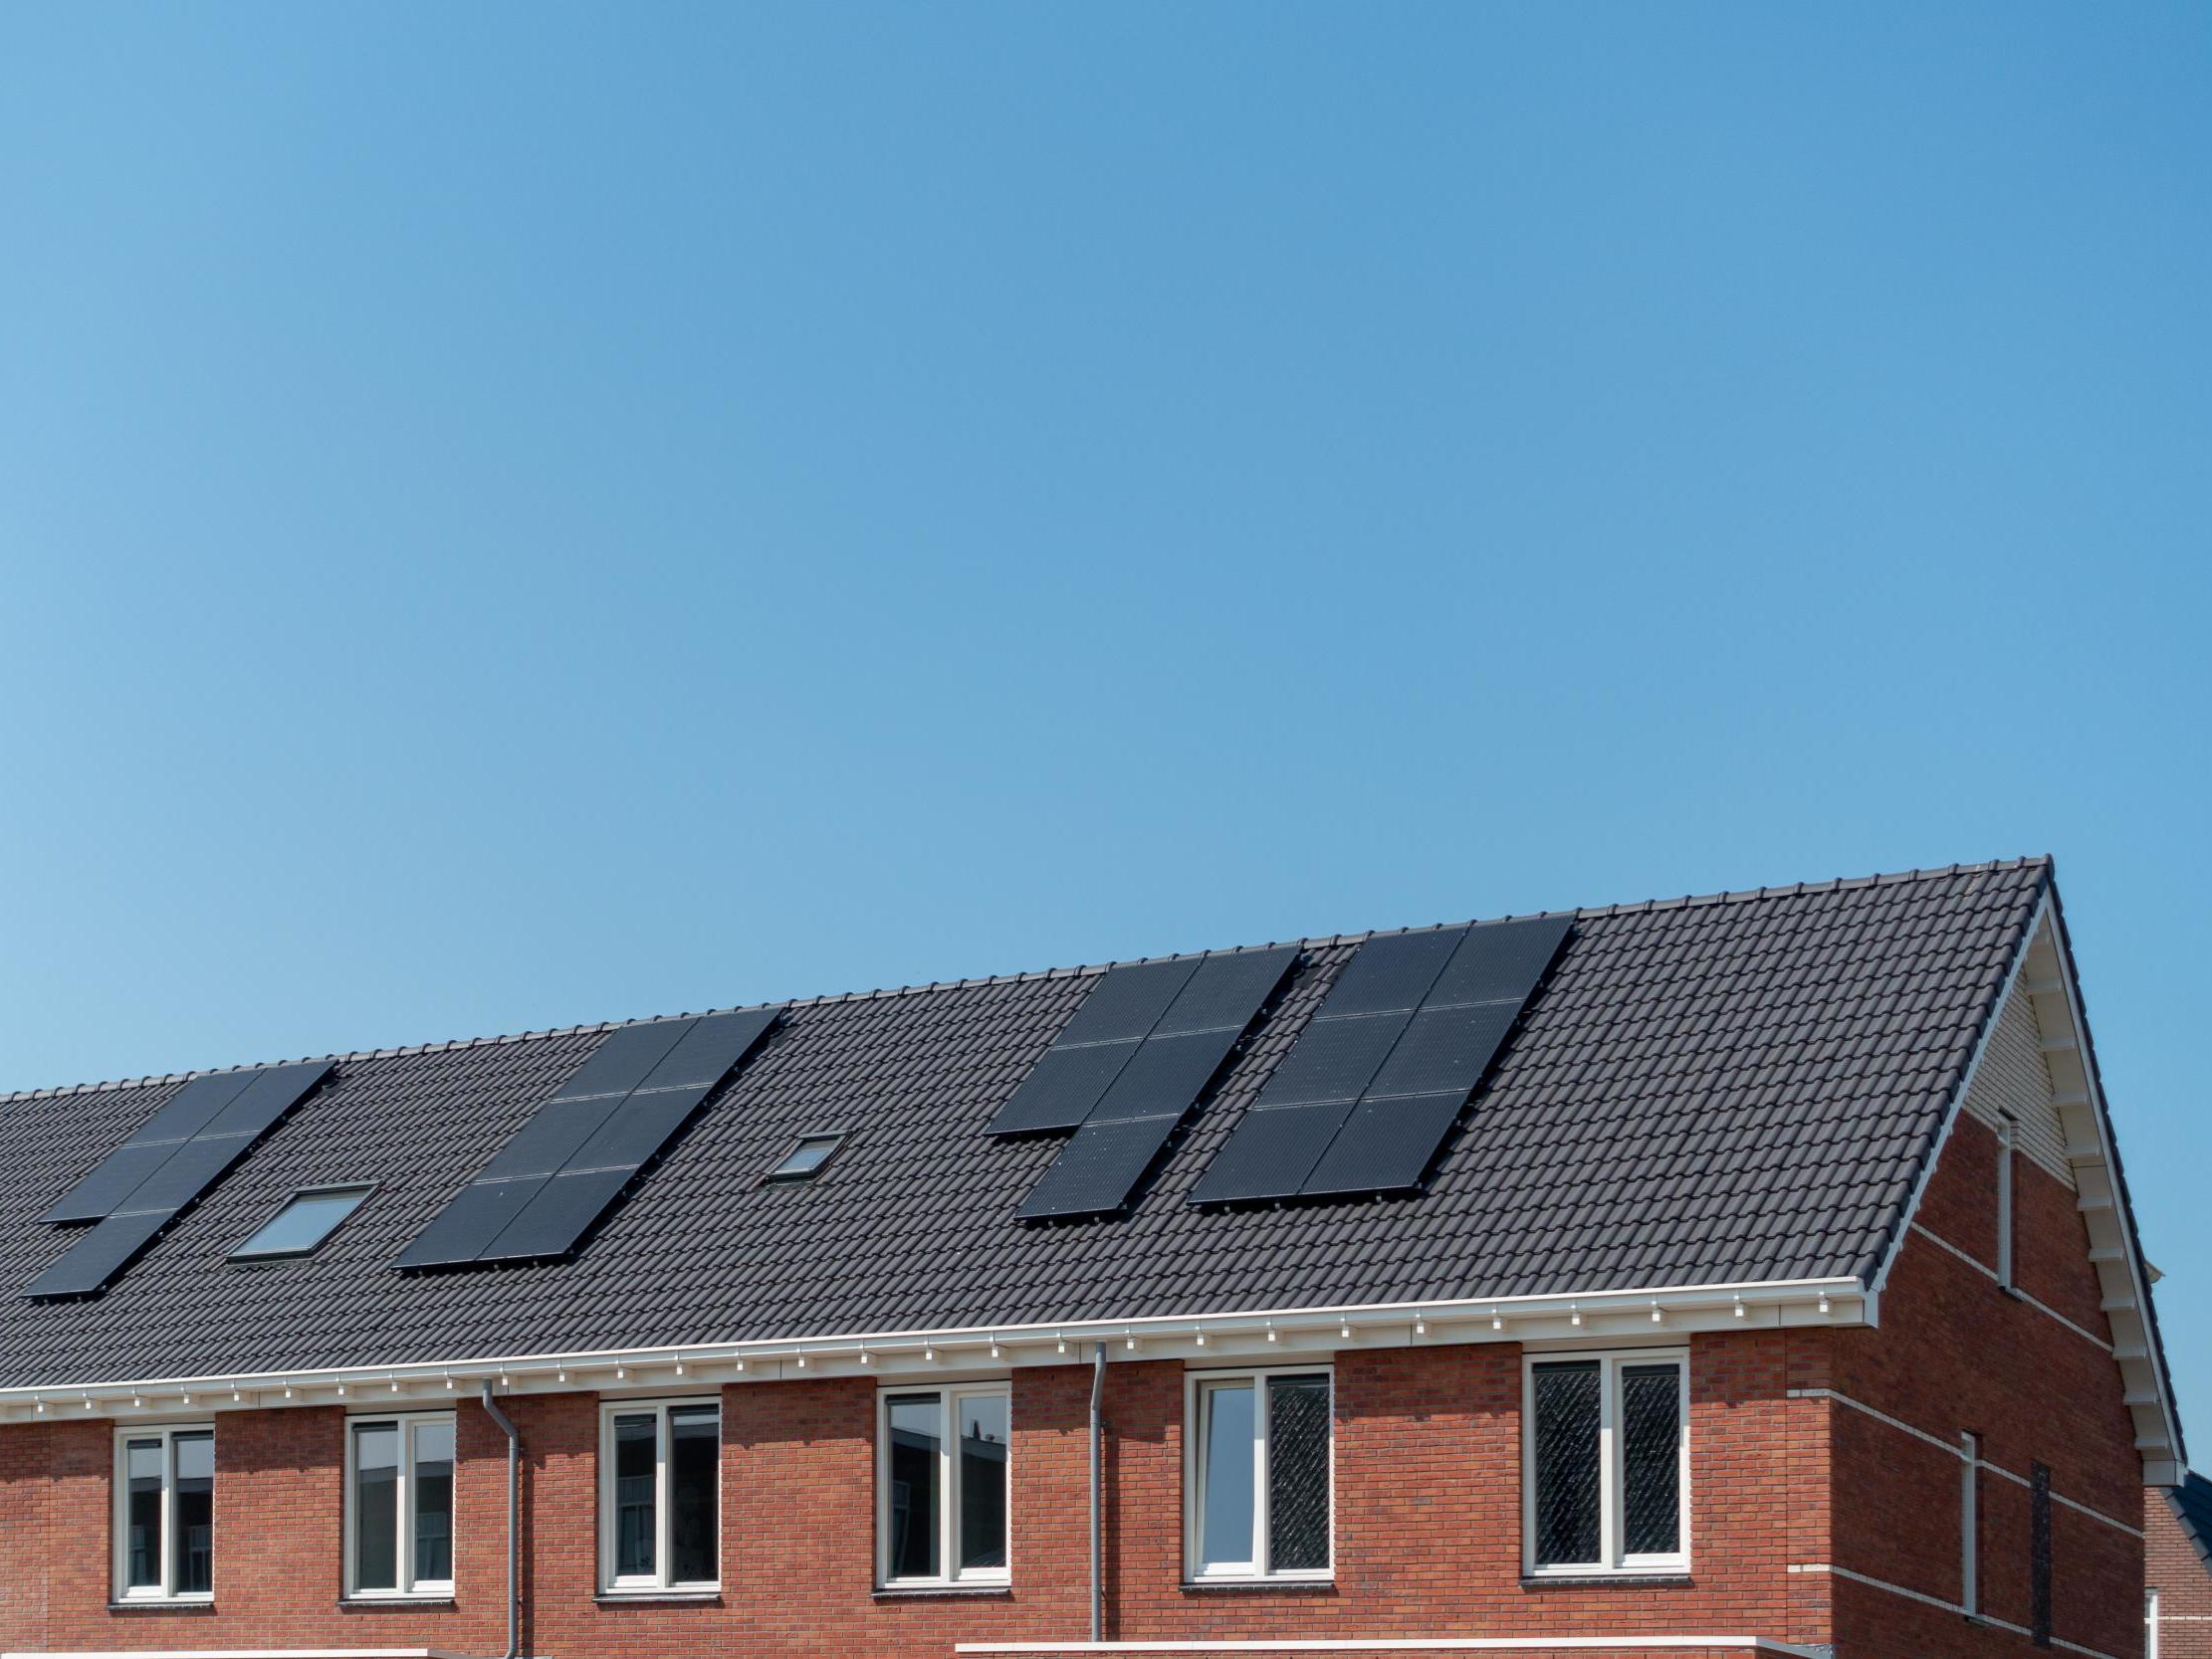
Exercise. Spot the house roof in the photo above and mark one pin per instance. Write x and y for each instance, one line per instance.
(1726, 1089)
(2192, 1506)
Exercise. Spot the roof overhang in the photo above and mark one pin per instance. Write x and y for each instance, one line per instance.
(1610, 1317)
(2044, 967)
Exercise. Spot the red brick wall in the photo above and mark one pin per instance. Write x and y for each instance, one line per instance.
(2177, 1572)
(1427, 1534)
(1955, 1352)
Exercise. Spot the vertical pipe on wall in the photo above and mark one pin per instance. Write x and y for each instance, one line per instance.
(1098, 1583)
(514, 1537)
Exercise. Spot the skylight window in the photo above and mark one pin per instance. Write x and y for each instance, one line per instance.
(308, 1216)
(804, 1160)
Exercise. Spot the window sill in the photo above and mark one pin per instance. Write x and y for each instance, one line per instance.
(1245, 1586)
(351, 1601)
(627, 1598)
(164, 1604)
(1667, 1578)
(927, 1592)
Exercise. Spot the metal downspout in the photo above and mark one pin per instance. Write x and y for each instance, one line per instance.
(514, 1538)
(1098, 1583)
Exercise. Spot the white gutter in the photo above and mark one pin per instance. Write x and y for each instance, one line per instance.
(1655, 1313)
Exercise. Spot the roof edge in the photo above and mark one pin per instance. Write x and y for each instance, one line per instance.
(1729, 895)
(1582, 1315)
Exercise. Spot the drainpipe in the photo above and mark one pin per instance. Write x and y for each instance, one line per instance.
(1098, 1583)
(514, 1538)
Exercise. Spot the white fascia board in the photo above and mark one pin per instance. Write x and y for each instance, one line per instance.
(2055, 988)
(1615, 1315)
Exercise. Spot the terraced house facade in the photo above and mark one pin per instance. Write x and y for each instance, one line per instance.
(1734, 1276)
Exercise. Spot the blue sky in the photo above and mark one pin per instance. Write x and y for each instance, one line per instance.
(517, 515)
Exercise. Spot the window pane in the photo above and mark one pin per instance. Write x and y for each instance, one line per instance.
(142, 1514)
(1567, 1464)
(634, 1450)
(192, 1562)
(916, 1437)
(376, 1507)
(1298, 1473)
(1651, 1459)
(694, 1484)
(1226, 1519)
(983, 1481)
(302, 1223)
(433, 1503)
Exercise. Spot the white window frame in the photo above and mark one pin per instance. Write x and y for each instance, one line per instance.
(2151, 1624)
(1194, 1386)
(166, 1591)
(658, 1581)
(950, 1396)
(409, 1424)
(1614, 1561)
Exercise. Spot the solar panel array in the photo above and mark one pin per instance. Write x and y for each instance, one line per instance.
(1362, 1102)
(1129, 1065)
(548, 1187)
(137, 1189)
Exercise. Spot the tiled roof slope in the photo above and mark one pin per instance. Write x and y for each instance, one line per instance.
(1709, 1091)
(2192, 1501)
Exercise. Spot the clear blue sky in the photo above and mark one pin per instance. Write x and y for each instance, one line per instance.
(519, 515)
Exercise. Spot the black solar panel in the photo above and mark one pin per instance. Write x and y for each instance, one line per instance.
(1166, 1075)
(185, 1113)
(550, 1184)
(557, 1214)
(179, 1118)
(1272, 1153)
(111, 1181)
(101, 1254)
(1127, 1002)
(1386, 1145)
(1098, 1168)
(1154, 1036)
(176, 1154)
(1334, 1059)
(479, 1213)
(1409, 1031)
(1063, 1087)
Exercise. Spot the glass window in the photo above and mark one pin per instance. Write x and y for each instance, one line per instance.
(660, 1486)
(400, 1506)
(166, 1513)
(1261, 1467)
(942, 1485)
(1606, 1450)
(805, 1159)
(307, 1219)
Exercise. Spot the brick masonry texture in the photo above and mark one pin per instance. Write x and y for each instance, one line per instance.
(1428, 1536)
(2174, 1569)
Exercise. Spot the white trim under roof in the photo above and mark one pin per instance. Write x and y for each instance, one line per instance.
(1583, 1319)
(2044, 967)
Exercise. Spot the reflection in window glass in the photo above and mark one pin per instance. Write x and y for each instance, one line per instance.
(376, 1507)
(307, 1219)
(1297, 1473)
(694, 1478)
(433, 1503)
(142, 1515)
(634, 1555)
(1226, 1522)
(915, 1451)
(193, 1566)
(983, 1481)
